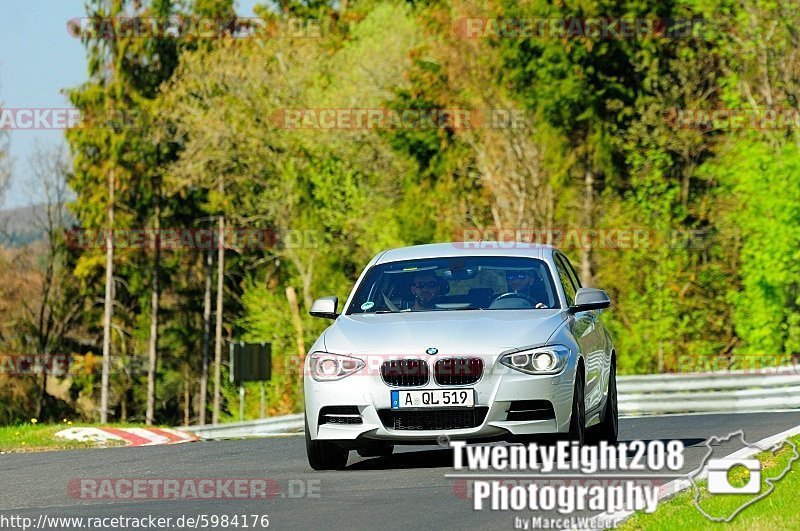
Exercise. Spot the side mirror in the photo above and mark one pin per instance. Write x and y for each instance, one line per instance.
(325, 307)
(590, 299)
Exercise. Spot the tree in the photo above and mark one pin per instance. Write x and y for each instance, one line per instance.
(125, 70)
(100, 98)
(52, 313)
(757, 167)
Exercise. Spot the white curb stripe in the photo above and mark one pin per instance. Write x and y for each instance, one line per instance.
(87, 435)
(154, 438)
(102, 435)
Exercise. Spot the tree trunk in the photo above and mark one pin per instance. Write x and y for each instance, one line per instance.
(108, 303)
(186, 399)
(43, 388)
(45, 322)
(43, 330)
(588, 206)
(291, 296)
(44, 333)
(154, 296)
(218, 331)
(50, 173)
(206, 337)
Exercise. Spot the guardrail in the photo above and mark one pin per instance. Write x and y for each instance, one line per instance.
(743, 390)
(655, 394)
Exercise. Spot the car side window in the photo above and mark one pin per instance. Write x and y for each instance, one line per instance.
(576, 280)
(566, 281)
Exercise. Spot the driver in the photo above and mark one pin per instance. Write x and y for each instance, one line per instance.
(522, 281)
(425, 288)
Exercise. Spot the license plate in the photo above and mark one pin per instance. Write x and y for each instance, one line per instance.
(433, 398)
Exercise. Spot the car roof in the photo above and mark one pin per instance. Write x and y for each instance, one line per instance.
(452, 249)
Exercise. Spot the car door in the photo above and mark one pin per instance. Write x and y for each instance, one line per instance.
(587, 333)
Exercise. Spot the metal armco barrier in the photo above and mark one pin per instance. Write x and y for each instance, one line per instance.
(747, 390)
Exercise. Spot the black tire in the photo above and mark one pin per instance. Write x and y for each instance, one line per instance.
(324, 455)
(376, 450)
(577, 420)
(608, 429)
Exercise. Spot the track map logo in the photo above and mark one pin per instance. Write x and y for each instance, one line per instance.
(739, 478)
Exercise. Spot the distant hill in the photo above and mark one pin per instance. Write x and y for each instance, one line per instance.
(22, 226)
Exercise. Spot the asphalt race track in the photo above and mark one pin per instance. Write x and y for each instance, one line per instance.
(407, 490)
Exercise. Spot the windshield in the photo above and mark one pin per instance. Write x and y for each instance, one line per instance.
(462, 283)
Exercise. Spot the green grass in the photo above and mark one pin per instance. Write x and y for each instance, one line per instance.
(42, 437)
(778, 510)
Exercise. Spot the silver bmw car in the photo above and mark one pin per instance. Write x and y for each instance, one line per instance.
(470, 341)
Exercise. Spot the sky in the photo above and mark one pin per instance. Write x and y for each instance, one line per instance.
(38, 59)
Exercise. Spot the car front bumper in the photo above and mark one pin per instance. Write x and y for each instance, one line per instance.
(496, 390)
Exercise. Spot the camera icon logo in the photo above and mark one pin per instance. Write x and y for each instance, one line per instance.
(725, 475)
(719, 479)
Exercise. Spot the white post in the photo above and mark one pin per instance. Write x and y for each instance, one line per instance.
(263, 401)
(241, 403)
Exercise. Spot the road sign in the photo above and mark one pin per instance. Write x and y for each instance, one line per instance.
(250, 362)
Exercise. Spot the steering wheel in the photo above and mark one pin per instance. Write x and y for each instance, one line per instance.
(514, 295)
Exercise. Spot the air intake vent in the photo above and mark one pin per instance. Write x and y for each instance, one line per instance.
(433, 419)
(531, 410)
(458, 371)
(405, 372)
(339, 415)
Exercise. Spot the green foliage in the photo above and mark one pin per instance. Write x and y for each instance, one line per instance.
(268, 319)
(600, 148)
(766, 219)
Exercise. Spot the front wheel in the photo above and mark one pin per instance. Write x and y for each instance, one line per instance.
(324, 455)
(608, 429)
(577, 421)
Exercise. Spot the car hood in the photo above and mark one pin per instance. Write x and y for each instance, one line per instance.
(412, 333)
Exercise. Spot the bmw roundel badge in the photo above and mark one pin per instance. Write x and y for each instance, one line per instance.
(432, 351)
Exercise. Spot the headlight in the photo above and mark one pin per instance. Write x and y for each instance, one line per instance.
(542, 360)
(327, 367)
